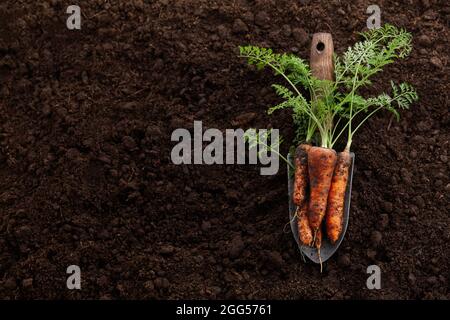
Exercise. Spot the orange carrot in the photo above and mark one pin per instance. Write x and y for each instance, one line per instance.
(335, 208)
(321, 163)
(318, 245)
(304, 231)
(301, 174)
(318, 239)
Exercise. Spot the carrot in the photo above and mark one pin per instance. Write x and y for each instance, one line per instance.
(301, 174)
(318, 245)
(335, 209)
(304, 231)
(318, 239)
(321, 163)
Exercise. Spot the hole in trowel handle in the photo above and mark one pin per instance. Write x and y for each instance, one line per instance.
(320, 46)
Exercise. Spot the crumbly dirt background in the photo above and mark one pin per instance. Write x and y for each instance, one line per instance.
(85, 172)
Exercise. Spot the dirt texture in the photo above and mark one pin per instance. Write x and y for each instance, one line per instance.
(86, 179)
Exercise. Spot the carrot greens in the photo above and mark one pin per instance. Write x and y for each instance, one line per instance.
(335, 108)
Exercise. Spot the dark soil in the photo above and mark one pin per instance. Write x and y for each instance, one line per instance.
(86, 177)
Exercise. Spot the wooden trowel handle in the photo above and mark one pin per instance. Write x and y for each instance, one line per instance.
(321, 59)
